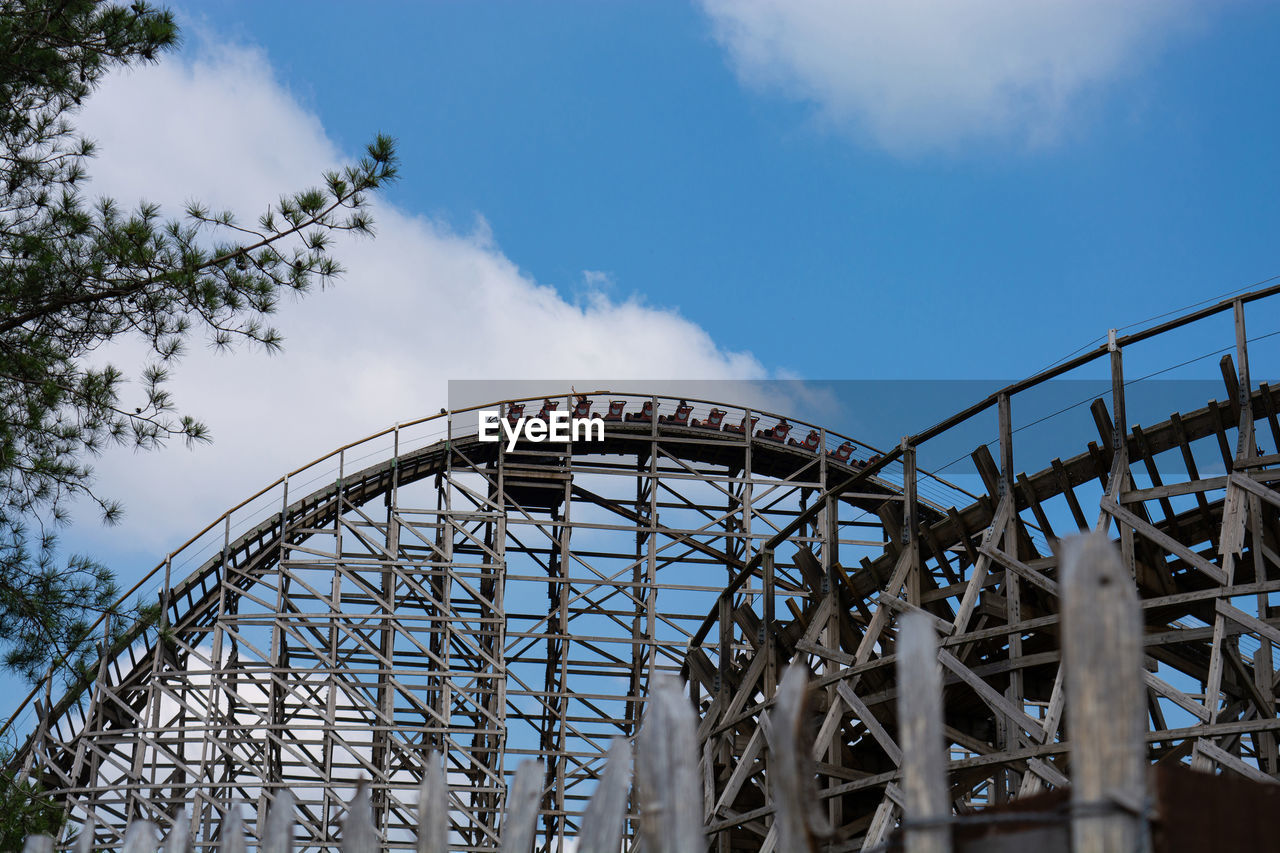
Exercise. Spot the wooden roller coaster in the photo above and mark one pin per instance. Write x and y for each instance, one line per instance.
(424, 590)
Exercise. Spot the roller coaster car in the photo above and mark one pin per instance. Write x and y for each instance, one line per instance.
(548, 406)
(810, 443)
(714, 420)
(515, 411)
(616, 408)
(842, 453)
(743, 427)
(582, 408)
(680, 418)
(645, 415)
(778, 432)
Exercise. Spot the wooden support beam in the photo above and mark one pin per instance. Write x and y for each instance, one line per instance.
(1165, 541)
(924, 787)
(1103, 658)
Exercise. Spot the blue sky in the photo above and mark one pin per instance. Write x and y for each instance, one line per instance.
(703, 190)
(619, 191)
(617, 137)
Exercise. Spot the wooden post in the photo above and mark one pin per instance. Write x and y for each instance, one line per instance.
(230, 836)
(38, 844)
(768, 647)
(911, 521)
(520, 824)
(1009, 738)
(84, 841)
(358, 833)
(603, 820)
(278, 837)
(1120, 448)
(1102, 651)
(924, 771)
(433, 807)
(667, 786)
(179, 838)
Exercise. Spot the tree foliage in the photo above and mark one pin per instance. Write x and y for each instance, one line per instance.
(78, 272)
(25, 807)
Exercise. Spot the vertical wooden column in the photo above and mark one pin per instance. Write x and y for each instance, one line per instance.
(1231, 536)
(911, 522)
(1006, 783)
(1120, 448)
(386, 643)
(1246, 453)
(768, 647)
(924, 765)
(204, 806)
(1106, 700)
(279, 652)
(831, 633)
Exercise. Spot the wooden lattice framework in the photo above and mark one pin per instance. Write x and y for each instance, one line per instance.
(498, 605)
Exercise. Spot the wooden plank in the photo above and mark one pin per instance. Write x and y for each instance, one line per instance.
(1254, 488)
(433, 808)
(746, 763)
(797, 822)
(668, 791)
(44, 844)
(924, 763)
(1068, 491)
(1222, 758)
(179, 838)
(1182, 700)
(1172, 490)
(519, 826)
(1042, 519)
(1047, 772)
(868, 719)
(230, 834)
(603, 819)
(991, 696)
(1021, 569)
(1105, 697)
(358, 834)
(278, 835)
(979, 574)
(895, 603)
(1258, 462)
(880, 823)
(1165, 541)
(1252, 623)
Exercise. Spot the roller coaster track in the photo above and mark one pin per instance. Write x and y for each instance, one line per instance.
(498, 604)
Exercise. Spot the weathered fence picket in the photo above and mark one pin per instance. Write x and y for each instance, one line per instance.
(520, 824)
(358, 834)
(602, 822)
(232, 835)
(668, 788)
(1106, 699)
(433, 807)
(38, 844)
(179, 838)
(276, 838)
(924, 767)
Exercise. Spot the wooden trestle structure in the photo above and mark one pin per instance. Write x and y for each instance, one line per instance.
(437, 592)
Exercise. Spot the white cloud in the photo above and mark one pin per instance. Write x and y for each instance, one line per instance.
(919, 74)
(421, 304)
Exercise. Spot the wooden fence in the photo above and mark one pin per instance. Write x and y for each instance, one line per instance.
(1108, 809)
